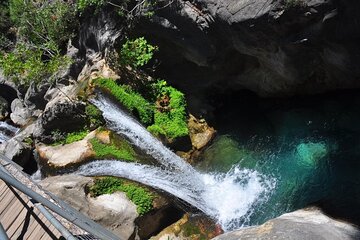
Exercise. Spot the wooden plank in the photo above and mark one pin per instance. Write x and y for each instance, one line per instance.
(35, 226)
(6, 203)
(18, 223)
(12, 212)
(3, 186)
(29, 222)
(5, 194)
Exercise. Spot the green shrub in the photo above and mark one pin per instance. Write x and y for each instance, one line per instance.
(81, 5)
(102, 151)
(141, 197)
(136, 52)
(24, 65)
(169, 120)
(44, 22)
(95, 118)
(130, 99)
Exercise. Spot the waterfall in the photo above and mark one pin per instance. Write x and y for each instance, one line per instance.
(227, 197)
(6, 131)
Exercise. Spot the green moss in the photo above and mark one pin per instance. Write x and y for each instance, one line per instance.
(170, 120)
(123, 152)
(133, 101)
(141, 197)
(70, 137)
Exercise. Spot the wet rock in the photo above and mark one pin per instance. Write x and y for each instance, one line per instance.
(201, 133)
(310, 153)
(310, 224)
(189, 228)
(4, 108)
(17, 151)
(115, 212)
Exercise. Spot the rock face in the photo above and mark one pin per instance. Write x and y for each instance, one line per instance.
(66, 155)
(273, 48)
(4, 107)
(20, 114)
(310, 224)
(114, 211)
(200, 132)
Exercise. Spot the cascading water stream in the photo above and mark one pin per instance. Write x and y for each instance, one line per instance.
(228, 197)
(6, 131)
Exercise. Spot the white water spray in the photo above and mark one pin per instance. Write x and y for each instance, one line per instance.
(6, 131)
(227, 197)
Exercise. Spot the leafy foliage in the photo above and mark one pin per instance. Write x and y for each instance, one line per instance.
(24, 64)
(44, 23)
(138, 195)
(81, 5)
(44, 28)
(124, 152)
(5, 24)
(170, 115)
(137, 52)
(131, 100)
(94, 116)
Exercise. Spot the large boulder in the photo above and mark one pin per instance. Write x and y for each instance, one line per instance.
(62, 112)
(270, 47)
(309, 224)
(63, 156)
(20, 114)
(115, 212)
(17, 151)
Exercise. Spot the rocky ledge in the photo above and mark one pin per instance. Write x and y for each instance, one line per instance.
(309, 224)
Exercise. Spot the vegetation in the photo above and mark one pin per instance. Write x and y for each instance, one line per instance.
(70, 137)
(25, 64)
(133, 101)
(141, 197)
(5, 25)
(170, 115)
(123, 152)
(81, 5)
(137, 52)
(94, 116)
(46, 24)
(44, 28)
(293, 3)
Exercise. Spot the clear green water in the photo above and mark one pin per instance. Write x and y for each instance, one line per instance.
(310, 145)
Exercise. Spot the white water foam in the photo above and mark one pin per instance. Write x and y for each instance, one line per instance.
(7, 131)
(227, 197)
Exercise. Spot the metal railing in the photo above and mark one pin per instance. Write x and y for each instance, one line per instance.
(65, 211)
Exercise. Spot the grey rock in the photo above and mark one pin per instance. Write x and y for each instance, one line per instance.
(114, 211)
(34, 97)
(63, 111)
(268, 47)
(309, 224)
(17, 151)
(20, 114)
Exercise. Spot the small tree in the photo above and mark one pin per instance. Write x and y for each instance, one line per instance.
(137, 52)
